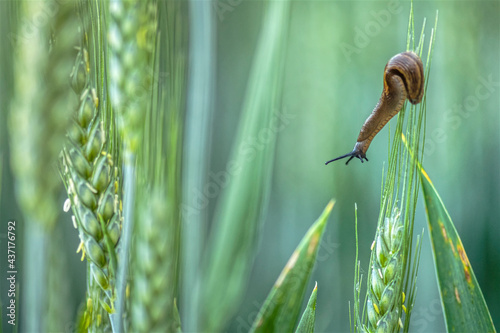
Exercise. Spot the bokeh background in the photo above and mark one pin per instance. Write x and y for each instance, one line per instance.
(333, 78)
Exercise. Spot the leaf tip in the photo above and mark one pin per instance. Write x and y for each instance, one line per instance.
(330, 205)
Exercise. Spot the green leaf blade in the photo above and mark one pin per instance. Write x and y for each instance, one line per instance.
(245, 184)
(463, 303)
(280, 311)
(306, 323)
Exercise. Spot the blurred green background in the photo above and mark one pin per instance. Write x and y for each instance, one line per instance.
(333, 78)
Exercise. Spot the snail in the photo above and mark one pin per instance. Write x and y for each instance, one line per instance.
(403, 79)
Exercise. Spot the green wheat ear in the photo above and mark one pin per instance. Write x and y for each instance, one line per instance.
(132, 28)
(40, 112)
(155, 250)
(385, 299)
(152, 297)
(131, 40)
(92, 185)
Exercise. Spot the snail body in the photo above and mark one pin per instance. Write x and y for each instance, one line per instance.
(403, 79)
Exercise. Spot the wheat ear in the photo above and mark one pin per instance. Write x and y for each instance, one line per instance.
(40, 110)
(93, 192)
(385, 299)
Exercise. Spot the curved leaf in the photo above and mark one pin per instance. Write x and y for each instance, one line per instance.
(463, 302)
(306, 323)
(245, 185)
(280, 311)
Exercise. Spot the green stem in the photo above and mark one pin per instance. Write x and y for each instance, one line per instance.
(198, 120)
(128, 215)
(35, 248)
